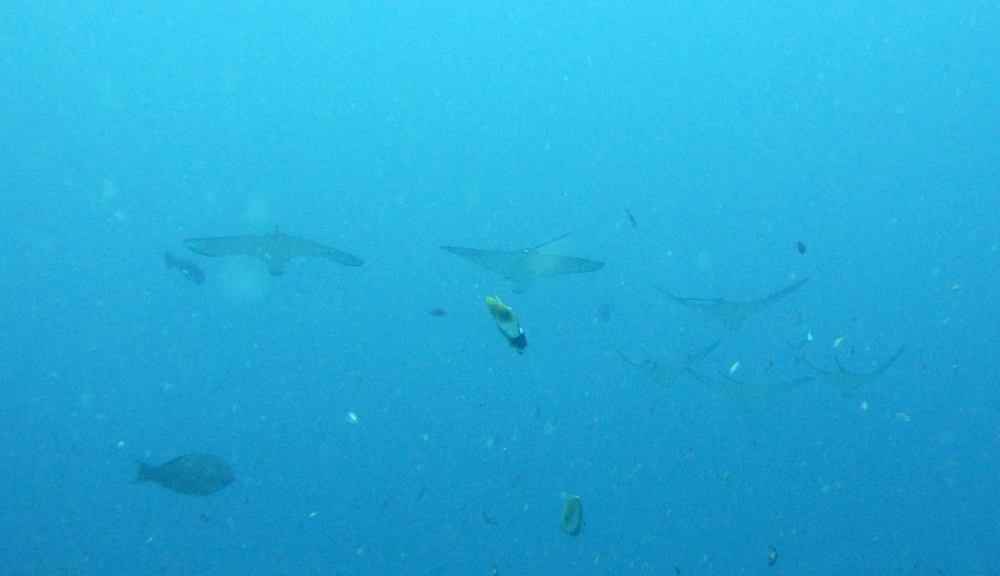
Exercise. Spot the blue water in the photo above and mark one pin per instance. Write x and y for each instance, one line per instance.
(731, 131)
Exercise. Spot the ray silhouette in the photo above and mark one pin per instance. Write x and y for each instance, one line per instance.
(189, 269)
(522, 267)
(275, 249)
(749, 396)
(666, 374)
(732, 314)
(846, 382)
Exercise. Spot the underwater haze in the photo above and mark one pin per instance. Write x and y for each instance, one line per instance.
(376, 421)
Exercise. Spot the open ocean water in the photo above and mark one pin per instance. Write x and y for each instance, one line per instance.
(716, 150)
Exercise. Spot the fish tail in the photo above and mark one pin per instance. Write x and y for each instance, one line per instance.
(169, 258)
(143, 472)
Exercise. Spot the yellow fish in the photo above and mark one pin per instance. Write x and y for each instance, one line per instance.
(507, 322)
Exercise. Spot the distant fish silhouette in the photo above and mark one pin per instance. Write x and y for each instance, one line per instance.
(275, 249)
(195, 474)
(604, 311)
(849, 382)
(190, 270)
(732, 314)
(522, 267)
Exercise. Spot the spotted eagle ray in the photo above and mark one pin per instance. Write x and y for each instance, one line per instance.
(732, 314)
(666, 374)
(275, 249)
(748, 395)
(522, 267)
(848, 382)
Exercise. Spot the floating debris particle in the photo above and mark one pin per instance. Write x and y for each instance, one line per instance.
(438, 312)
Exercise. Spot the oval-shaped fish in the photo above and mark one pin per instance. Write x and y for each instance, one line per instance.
(196, 474)
(507, 322)
(572, 516)
(188, 268)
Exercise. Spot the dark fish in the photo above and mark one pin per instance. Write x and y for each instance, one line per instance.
(572, 516)
(197, 474)
(802, 248)
(275, 249)
(604, 312)
(631, 219)
(188, 268)
(438, 312)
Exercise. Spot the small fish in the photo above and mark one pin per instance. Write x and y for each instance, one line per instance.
(190, 270)
(631, 219)
(438, 312)
(772, 558)
(572, 516)
(507, 322)
(801, 247)
(195, 474)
